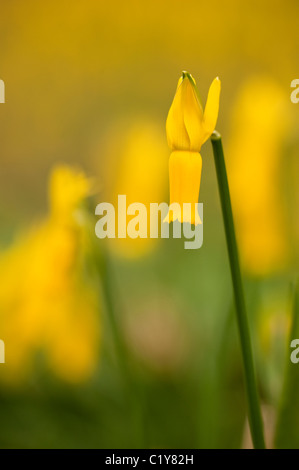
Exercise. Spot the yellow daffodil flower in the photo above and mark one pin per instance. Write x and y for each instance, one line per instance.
(48, 302)
(260, 129)
(188, 127)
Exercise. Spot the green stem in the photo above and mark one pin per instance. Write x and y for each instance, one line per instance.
(254, 411)
(110, 296)
(131, 386)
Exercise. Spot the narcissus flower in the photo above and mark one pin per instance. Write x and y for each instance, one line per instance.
(188, 126)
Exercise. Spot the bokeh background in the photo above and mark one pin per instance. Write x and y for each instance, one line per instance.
(88, 88)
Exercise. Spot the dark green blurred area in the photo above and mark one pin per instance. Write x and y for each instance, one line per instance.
(72, 71)
(200, 404)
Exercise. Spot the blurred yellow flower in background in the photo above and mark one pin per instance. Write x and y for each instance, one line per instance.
(274, 320)
(47, 303)
(68, 188)
(135, 165)
(273, 325)
(187, 128)
(261, 118)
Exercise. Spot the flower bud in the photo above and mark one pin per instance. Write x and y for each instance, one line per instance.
(187, 126)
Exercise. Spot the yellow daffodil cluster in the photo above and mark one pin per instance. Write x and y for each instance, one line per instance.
(188, 127)
(47, 306)
(261, 118)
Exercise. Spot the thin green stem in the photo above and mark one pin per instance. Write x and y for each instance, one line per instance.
(111, 296)
(132, 387)
(254, 411)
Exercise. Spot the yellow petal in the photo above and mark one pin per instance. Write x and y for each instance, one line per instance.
(176, 132)
(211, 109)
(193, 115)
(185, 117)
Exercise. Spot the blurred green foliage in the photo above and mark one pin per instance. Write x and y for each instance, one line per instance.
(288, 416)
